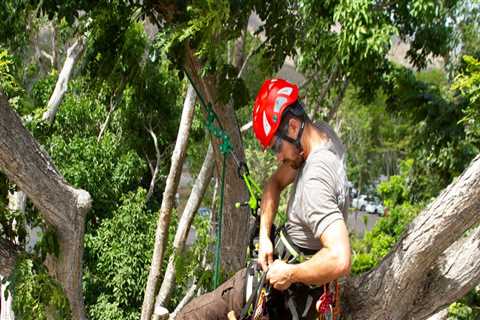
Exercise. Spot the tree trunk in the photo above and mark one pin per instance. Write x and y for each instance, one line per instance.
(62, 206)
(196, 196)
(432, 265)
(73, 53)
(161, 234)
(235, 221)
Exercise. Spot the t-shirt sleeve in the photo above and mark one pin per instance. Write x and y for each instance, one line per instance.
(320, 204)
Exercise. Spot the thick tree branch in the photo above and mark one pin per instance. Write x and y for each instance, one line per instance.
(173, 179)
(64, 207)
(393, 288)
(454, 274)
(193, 203)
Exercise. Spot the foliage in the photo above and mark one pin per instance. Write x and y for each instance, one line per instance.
(36, 294)
(395, 190)
(119, 254)
(8, 84)
(438, 139)
(468, 83)
(467, 308)
(192, 265)
(374, 138)
(377, 243)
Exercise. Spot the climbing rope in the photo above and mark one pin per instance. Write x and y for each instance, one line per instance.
(226, 148)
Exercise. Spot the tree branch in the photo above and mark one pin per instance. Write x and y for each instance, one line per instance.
(26, 164)
(392, 289)
(157, 165)
(73, 53)
(193, 203)
(334, 108)
(186, 299)
(324, 91)
(454, 274)
(247, 59)
(161, 234)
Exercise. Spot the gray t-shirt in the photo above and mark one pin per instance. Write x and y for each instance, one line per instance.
(319, 196)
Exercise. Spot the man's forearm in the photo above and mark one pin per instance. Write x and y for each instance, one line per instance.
(268, 208)
(323, 267)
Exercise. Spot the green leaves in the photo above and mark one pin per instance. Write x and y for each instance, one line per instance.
(8, 84)
(35, 294)
(121, 248)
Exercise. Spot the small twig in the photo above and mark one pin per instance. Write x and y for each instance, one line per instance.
(246, 126)
(186, 299)
(334, 108)
(157, 164)
(324, 91)
(114, 101)
(250, 54)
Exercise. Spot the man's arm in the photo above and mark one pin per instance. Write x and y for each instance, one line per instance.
(282, 177)
(330, 263)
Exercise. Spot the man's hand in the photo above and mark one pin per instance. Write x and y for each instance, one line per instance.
(280, 275)
(265, 252)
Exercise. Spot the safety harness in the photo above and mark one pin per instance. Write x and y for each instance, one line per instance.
(263, 302)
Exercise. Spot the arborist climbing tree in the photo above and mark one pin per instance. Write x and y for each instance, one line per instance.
(294, 268)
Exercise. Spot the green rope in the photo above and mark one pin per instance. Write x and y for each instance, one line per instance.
(226, 148)
(216, 272)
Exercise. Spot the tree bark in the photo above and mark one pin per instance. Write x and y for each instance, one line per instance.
(8, 256)
(193, 203)
(441, 315)
(432, 265)
(62, 206)
(235, 221)
(73, 53)
(161, 234)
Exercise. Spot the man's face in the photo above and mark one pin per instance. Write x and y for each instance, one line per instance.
(286, 152)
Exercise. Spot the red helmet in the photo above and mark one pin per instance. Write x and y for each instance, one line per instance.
(274, 97)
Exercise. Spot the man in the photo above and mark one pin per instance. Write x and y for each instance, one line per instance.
(312, 157)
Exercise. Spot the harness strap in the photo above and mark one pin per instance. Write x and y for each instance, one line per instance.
(292, 306)
(308, 304)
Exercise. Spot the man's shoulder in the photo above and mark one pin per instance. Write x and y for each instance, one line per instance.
(323, 157)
